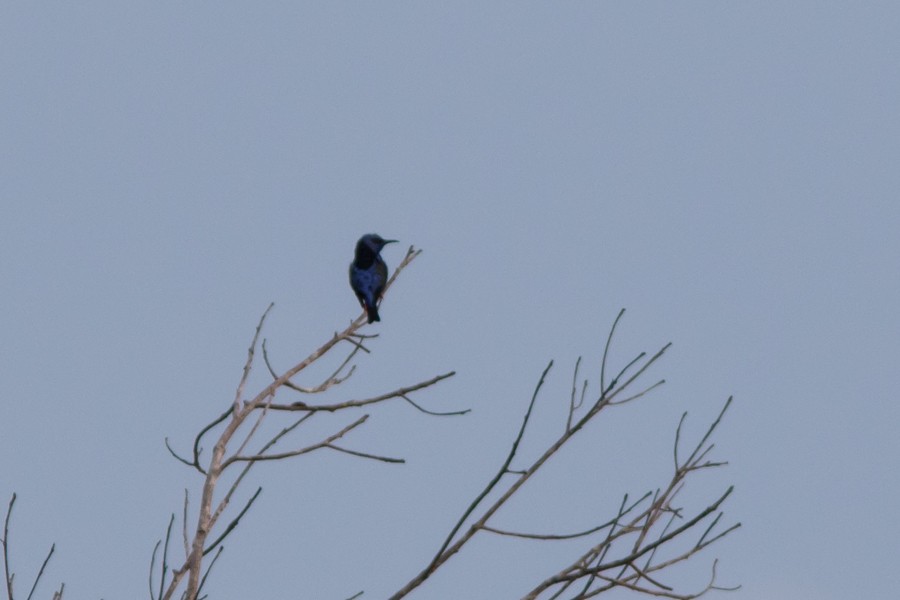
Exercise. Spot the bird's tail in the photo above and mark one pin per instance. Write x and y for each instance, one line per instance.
(372, 312)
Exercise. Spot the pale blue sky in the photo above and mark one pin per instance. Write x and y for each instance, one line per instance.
(727, 172)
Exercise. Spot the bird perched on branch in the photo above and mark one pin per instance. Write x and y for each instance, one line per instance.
(368, 273)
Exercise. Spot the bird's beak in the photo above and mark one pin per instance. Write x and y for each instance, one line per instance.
(390, 241)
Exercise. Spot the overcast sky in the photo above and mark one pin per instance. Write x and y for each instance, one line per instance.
(727, 172)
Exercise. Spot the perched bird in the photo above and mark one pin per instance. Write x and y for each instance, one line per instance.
(368, 273)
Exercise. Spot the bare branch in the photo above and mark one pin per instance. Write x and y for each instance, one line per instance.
(259, 420)
(306, 450)
(640, 371)
(249, 364)
(411, 254)
(233, 524)
(204, 431)
(9, 576)
(500, 472)
(568, 536)
(214, 517)
(436, 413)
(152, 569)
(165, 561)
(575, 572)
(637, 533)
(609, 338)
(353, 337)
(716, 538)
(398, 393)
(386, 459)
(572, 405)
(332, 380)
(709, 431)
(275, 439)
(5, 540)
(184, 522)
(223, 455)
(446, 551)
(176, 455)
(41, 571)
(644, 575)
(209, 569)
(678, 438)
(598, 565)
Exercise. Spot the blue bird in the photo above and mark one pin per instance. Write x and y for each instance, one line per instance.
(368, 273)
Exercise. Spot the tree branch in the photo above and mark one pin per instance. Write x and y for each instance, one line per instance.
(9, 576)
(224, 454)
(592, 567)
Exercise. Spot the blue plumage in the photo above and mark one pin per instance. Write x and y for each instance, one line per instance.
(368, 273)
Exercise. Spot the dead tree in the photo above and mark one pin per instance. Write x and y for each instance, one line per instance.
(238, 429)
(631, 549)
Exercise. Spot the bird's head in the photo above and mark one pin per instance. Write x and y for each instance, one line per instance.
(374, 242)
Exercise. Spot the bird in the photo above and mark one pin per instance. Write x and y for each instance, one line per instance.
(368, 273)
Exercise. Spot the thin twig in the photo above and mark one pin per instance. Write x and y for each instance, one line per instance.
(640, 371)
(234, 522)
(176, 455)
(633, 556)
(436, 413)
(716, 538)
(199, 436)
(249, 364)
(212, 563)
(386, 459)
(41, 571)
(500, 472)
(152, 569)
(609, 338)
(165, 561)
(678, 438)
(446, 550)
(398, 393)
(9, 577)
(306, 450)
(568, 536)
(640, 394)
(259, 420)
(709, 431)
(572, 406)
(332, 380)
